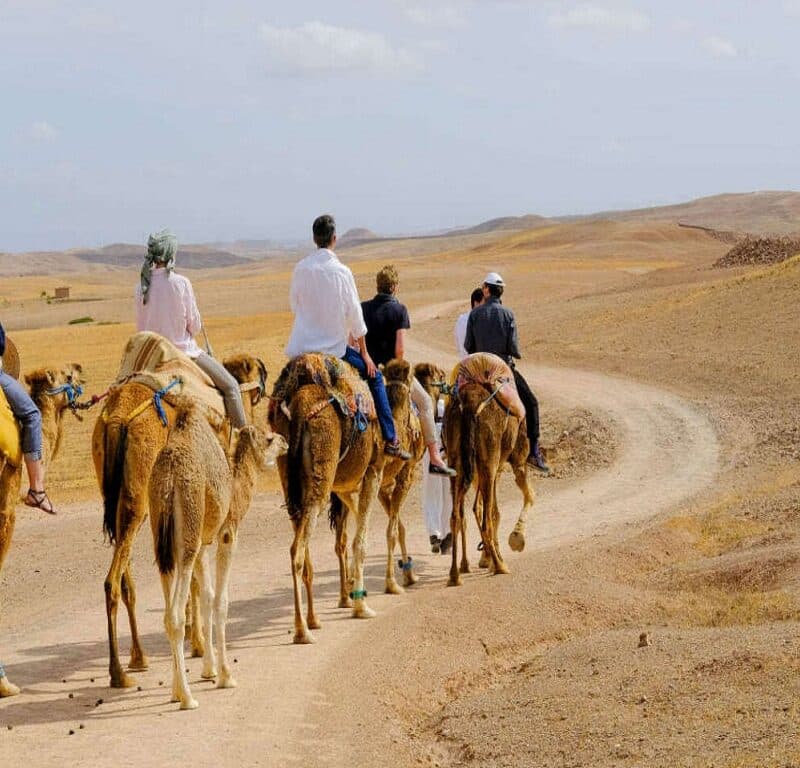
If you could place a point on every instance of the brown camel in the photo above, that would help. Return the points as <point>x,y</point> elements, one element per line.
<point>327,454</point>
<point>125,443</point>
<point>197,498</point>
<point>480,437</point>
<point>43,385</point>
<point>396,480</point>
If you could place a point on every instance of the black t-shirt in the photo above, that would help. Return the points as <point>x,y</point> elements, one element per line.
<point>384,316</point>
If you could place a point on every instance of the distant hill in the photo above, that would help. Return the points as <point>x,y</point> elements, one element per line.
<point>357,235</point>
<point>529,221</point>
<point>761,213</point>
<point>189,257</point>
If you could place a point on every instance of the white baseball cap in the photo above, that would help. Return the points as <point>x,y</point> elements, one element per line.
<point>493,279</point>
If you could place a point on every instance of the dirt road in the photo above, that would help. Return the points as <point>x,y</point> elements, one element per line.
<point>309,705</point>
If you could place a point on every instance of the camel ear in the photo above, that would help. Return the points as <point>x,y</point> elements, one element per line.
<point>51,376</point>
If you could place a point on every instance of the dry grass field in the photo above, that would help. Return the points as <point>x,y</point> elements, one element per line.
<point>543,667</point>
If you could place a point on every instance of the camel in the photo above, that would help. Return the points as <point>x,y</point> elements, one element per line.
<point>396,480</point>
<point>197,498</point>
<point>54,392</point>
<point>328,454</point>
<point>480,436</point>
<point>126,440</point>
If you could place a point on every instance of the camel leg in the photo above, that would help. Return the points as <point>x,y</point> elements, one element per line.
<point>516,539</point>
<point>225,551</point>
<point>138,662</point>
<point>369,488</point>
<point>491,513</point>
<point>341,554</point>
<point>175,625</point>
<point>203,574</point>
<point>456,525</point>
<point>7,688</point>
<point>409,577</point>
<point>195,630</point>
<point>479,511</point>
<point>392,587</point>
<point>308,581</point>
<point>298,551</point>
<point>113,589</point>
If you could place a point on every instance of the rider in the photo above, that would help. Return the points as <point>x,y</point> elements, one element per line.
<point>166,304</point>
<point>387,321</point>
<point>324,299</point>
<point>492,328</point>
<point>30,419</point>
<point>475,300</point>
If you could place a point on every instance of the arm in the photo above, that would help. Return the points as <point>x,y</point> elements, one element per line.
<point>192,313</point>
<point>400,344</point>
<point>513,338</point>
<point>139,307</point>
<point>469,337</point>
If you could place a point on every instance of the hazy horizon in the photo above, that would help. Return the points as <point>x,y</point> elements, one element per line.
<point>238,122</point>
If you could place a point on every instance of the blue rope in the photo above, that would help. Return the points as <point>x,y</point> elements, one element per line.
<point>158,396</point>
<point>360,417</point>
<point>358,594</point>
<point>405,565</point>
<point>2,672</point>
<point>74,391</point>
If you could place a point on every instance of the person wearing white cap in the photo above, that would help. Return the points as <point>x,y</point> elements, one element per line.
<point>491,327</point>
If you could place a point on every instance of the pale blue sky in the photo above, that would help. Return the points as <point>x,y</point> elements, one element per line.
<point>245,118</point>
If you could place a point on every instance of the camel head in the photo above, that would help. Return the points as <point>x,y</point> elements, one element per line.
<point>258,447</point>
<point>398,370</point>
<point>247,369</point>
<point>432,378</point>
<point>61,386</point>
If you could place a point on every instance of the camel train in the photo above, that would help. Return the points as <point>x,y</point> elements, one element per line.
<point>174,455</point>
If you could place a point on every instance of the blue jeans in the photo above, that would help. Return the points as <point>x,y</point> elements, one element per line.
<point>384,410</point>
<point>27,414</point>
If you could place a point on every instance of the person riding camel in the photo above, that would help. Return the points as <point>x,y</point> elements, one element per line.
<point>492,328</point>
<point>166,304</point>
<point>327,312</point>
<point>30,420</point>
<point>387,322</point>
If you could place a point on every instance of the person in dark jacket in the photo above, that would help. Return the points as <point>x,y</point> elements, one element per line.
<point>491,327</point>
<point>30,419</point>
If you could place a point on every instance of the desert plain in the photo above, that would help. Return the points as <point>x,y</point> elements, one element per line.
<point>669,393</point>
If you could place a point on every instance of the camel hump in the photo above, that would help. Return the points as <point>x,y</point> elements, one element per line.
<point>495,375</point>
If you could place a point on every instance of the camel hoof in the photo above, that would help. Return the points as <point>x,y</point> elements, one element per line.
<point>121,680</point>
<point>483,562</point>
<point>314,623</point>
<point>393,588</point>
<point>7,688</point>
<point>198,652</point>
<point>211,674</point>
<point>226,682</point>
<point>454,581</point>
<point>500,569</point>
<point>189,704</point>
<point>410,578</point>
<point>362,611</point>
<point>303,637</point>
<point>516,541</point>
<point>345,602</point>
<point>464,567</point>
<point>140,664</point>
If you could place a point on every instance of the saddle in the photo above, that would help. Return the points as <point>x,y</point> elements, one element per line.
<point>154,361</point>
<point>10,442</point>
<point>494,375</point>
<point>341,382</point>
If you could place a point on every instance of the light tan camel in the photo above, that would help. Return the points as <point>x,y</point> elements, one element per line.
<point>124,449</point>
<point>43,385</point>
<point>396,480</point>
<point>197,498</point>
<point>480,437</point>
<point>327,454</point>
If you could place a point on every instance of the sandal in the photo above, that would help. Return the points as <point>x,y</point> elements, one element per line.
<point>40,500</point>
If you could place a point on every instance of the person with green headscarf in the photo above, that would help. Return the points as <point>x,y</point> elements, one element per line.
<point>166,304</point>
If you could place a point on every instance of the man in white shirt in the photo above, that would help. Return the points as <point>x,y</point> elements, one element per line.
<point>327,310</point>
<point>476,299</point>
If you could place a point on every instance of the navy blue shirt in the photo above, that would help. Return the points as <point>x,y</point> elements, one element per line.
<point>492,328</point>
<point>384,316</point>
<point>2,340</point>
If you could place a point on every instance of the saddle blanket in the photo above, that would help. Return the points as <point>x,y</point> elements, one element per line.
<point>154,361</point>
<point>339,379</point>
<point>10,443</point>
<point>495,375</point>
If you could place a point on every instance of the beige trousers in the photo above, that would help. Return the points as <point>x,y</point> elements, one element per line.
<point>424,404</point>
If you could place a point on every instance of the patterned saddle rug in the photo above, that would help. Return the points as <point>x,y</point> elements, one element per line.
<point>10,443</point>
<point>154,361</point>
<point>492,373</point>
<point>339,379</point>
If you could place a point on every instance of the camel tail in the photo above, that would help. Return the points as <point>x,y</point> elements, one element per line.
<point>294,462</point>
<point>336,511</point>
<point>468,448</point>
<point>165,542</point>
<point>113,475</point>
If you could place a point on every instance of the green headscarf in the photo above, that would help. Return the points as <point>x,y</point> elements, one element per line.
<point>161,249</point>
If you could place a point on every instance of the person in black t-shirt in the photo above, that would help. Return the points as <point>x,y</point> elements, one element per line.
<point>387,321</point>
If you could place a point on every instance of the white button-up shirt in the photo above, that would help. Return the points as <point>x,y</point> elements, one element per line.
<point>461,334</point>
<point>171,310</point>
<point>326,307</point>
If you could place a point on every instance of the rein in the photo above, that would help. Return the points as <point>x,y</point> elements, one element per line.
<point>73,392</point>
